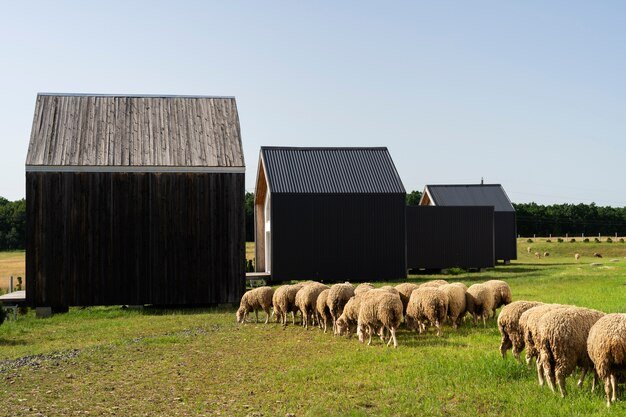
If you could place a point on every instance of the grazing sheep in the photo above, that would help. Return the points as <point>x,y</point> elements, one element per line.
<point>254,300</point>
<point>322,310</point>
<point>427,306</point>
<point>597,255</point>
<point>361,288</point>
<point>457,303</point>
<point>537,254</point>
<point>434,283</point>
<point>545,254</point>
<point>508,324</point>
<point>338,296</point>
<point>284,302</point>
<point>390,288</point>
<point>528,322</point>
<point>562,335</point>
<point>480,302</point>
<point>306,301</point>
<point>405,291</point>
<point>380,311</point>
<point>501,294</point>
<point>460,284</point>
<point>606,345</point>
<point>577,256</point>
<point>347,322</point>
<point>529,249</point>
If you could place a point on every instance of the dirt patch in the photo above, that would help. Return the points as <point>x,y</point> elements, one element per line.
<point>35,361</point>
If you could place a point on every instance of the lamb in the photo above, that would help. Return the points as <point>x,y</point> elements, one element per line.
<point>509,326</point>
<point>405,291</point>
<point>457,303</point>
<point>427,305</point>
<point>563,337</point>
<point>480,302</point>
<point>434,283</point>
<point>577,256</point>
<point>383,311</point>
<point>338,296</point>
<point>597,255</point>
<point>254,300</point>
<point>322,310</point>
<point>306,301</point>
<point>501,294</point>
<point>284,302</point>
<point>606,345</point>
<point>361,288</point>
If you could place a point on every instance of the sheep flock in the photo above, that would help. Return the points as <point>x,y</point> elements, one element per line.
<point>557,339</point>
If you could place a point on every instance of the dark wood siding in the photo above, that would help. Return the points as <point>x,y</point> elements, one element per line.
<point>134,238</point>
<point>506,235</point>
<point>443,237</point>
<point>338,237</point>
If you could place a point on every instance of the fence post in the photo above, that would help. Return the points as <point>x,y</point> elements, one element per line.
<point>11,284</point>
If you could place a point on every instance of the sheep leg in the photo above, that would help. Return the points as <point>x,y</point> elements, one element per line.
<point>393,336</point>
<point>267,316</point>
<point>505,344</point>
<point>438,327</point>
<point>583,372</point>
<point>369,331</point>
<point>594,381</point>
<point>613,388</point>
<point>485,319</point>
<point>607,390</point>
<point>256,314</point>
<point>560,379</point>
<point>540,374</point>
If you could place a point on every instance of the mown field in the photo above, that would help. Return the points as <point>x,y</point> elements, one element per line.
<point>111,361</point>
<point>11,264</point>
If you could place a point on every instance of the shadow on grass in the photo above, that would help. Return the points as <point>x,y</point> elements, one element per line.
<point>8,342</point>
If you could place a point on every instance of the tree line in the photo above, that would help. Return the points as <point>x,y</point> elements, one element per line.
<point>532,219</point>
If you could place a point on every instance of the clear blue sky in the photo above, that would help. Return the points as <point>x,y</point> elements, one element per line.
<point>530,94</point>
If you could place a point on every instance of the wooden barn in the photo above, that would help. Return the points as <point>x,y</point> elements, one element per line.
<point>505,229</point>
<point>329,214</point>
<point>134,200</point>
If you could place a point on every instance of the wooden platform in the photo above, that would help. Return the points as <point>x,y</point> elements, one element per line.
<point>15,297</point>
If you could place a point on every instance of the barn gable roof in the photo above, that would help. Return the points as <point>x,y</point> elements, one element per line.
<point>468,195</point>
<point>87,131</point>
<point>330,170</point>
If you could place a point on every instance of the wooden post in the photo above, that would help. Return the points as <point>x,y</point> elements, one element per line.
<point>11,284</point>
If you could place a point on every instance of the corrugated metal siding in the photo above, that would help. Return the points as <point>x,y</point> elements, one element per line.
<point>506,235</point>
<point>95,130</point>
<point>471,195</point>
<point>445,237</point>
<point>338,237</point>
<point>331,170</point>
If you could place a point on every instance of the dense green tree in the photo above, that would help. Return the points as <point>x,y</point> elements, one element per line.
<point>413,198</point>
<point>249,208</point>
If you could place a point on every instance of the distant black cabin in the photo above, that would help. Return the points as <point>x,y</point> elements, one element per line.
<point>329,214</point>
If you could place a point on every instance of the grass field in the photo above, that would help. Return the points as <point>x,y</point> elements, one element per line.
<point>11,264</point>
<point>110,361</point>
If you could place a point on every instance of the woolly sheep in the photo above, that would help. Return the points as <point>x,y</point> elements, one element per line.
<point>457,303</point>
<point>434,283</point>
<point>390,289</point>
<point>338,296</point>
<point>537,254</point>
<point>577,256</point>
<point>322,310</point>
<point>528,322</point>
<point>606,345</point>
<point>347,322</point>
<point>284,302</point>
<point>529,249</point>
<point>480,302</point>
<point>546,254</point>
<point>254,300</point>
<point>508,324</point>
<point>427,305</point>
<point>501,294</point>
<point>381,311</point>
<point>563,337</point>
<point>306,301</point>
<point>364,287</point>
<point>597,255</point>
<point>405,291</point>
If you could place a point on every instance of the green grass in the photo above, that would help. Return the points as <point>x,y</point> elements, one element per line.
<point>200,362</point>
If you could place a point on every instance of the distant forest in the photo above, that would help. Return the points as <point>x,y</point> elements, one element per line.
<point>532,219</point>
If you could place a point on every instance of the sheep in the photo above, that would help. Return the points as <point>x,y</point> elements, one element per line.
<point>577,256</point>
<point>254,300</point>
<point>364,287</point>
<point>338,296</point>
<point>501,294</point>
<point>508,324</point>
<point>382,310</point>
<point>597,255</point>
<point>306,300</point>
<point>405,291</point>
<point>529,249</point>
<point>562,335</point>
<point>480,302</point>
<point>606,345</point>
<point>322,309</point>
<point>528,322</point>
<point>546,254</point>
<point>390,289</point>
<point>427,305</point>
<point>537,254</point>
<point>457,303</point>
<point>347,322</point>
<point>434,283</point>
<point>284,302</point>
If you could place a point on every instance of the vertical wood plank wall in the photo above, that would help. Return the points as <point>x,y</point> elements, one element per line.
<point>134,238</point>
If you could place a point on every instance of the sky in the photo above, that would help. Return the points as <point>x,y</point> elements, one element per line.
<point>529,94</point>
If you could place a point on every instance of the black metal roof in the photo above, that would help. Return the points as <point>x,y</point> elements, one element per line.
<point>331,170</point>
<point>470,195</point>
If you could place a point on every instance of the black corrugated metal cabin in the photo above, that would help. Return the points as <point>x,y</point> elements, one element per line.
<point>445,237</point>
<point>329,214</point>
<point>505,229</point>
<point>134,200</point>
